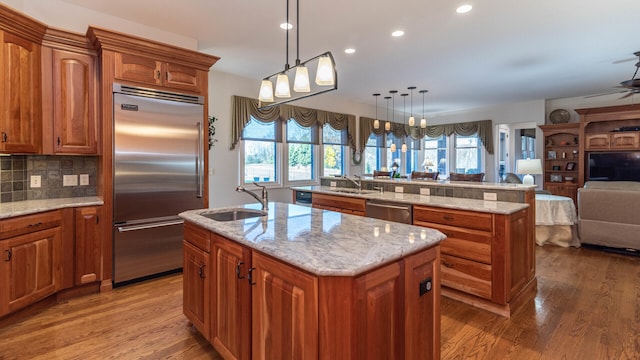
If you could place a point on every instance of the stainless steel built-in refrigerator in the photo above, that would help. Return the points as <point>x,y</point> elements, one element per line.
<point>158,154</point>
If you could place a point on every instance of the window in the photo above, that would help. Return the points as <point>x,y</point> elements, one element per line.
<point>260,151</point>
<point>301,151</point>
<point>468,150</point>
<point>333,150</point>
<point>435,155</point>
<point>373,153</point>
<point>527,145</point>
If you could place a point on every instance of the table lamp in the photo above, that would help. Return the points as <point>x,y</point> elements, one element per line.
<point>528,167</point>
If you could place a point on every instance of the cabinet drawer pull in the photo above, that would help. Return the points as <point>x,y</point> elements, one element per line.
<point>446,264</point>
<point>4,137</point>
<point>201,271</point>
<point>35,225</point>
<point>9,254</point>
<point>158,74</point>
<point>448,218</point>
<point>249,276</point>
<point>240,263</point>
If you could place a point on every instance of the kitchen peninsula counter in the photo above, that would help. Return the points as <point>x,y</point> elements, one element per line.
<point>305,283</point>
<point>488,206</point>
<point>26,207</point>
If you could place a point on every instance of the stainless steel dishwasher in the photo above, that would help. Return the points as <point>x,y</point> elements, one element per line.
<point>387,210</point>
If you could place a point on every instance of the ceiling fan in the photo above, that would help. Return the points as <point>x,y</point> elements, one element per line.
<point>632,85</point>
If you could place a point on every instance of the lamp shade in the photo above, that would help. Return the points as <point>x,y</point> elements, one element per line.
<point>266,91</point>
<point>393,147</point>
<point>376,124</point>
<point>324,75</point>
<point>423,123</point>
<point>412,121</point>
<point>387,126</point>
<point>301,81</point>
<point>404,148</point>
<point>282,86</point>
<point>528,167</point>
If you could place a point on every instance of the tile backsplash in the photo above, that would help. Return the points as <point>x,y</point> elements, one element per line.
<point>16,172</point>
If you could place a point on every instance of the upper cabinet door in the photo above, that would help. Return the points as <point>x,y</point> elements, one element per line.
<point>20,103</point>
<point>139,69</point>
<point>74,108</point>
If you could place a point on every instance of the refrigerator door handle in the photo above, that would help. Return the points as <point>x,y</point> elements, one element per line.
<point>200,163</point>
<point>149,226</point>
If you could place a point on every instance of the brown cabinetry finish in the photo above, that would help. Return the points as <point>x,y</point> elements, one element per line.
<point>31,267</point>
<point>562,161</point>
<point>343,204</point>
<point>284,311</point>
<point>197,272</point>
<point>145,70</point>
<point>21,102</point>
<point>88,245</point>
<point>231,302</point>
<point>487,260</point>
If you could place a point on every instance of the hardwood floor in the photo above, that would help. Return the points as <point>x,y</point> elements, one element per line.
<point>587,307</point>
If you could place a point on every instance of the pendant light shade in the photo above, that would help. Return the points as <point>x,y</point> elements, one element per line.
<point>412,120</point>
<point>282,86</point>
<point>404,148</point>
<point>393,147</point>
<point>423,121</point>
<point>387,126</point>
<point>266,91</point>
<point>324,75</point>
<point>376,124</point>
<point>301,81</point>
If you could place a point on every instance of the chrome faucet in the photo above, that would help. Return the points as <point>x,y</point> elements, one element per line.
<point>357,183</point>
<point>264,199</point>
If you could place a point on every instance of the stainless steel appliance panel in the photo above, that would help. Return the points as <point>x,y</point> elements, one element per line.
<point>157,157</point>
<point>391,211</point>
<point>143,249</point>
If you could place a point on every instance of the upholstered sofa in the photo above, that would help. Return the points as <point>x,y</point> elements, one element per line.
<point>608,214</point>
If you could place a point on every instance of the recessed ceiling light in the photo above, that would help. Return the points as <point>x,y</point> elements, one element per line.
<point>464,8</point>
<point>349,51</point>
<point>285,26</point>
<point>397,33</point>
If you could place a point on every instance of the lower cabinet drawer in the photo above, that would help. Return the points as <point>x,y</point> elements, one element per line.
<point>464,243</point>
<point>465,275</point>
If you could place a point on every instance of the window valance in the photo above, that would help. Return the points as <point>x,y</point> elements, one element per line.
<point>243,108</point>
<point>483,128</point>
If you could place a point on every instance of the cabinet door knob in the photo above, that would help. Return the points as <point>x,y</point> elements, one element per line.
<point>9,254</point>
<point>446,264</point>
<point>201,271</point>
<point>4,137</point>
<point>240,263</point>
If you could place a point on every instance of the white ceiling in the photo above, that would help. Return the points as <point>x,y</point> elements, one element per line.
<point>503,51</point>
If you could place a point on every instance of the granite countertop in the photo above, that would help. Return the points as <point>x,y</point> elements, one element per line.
<point>494,207</point>
<point>466,184</point>
<point>27,207</point>
<point>322,242</point>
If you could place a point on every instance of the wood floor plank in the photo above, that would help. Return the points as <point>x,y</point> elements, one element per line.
<point>587,307</point>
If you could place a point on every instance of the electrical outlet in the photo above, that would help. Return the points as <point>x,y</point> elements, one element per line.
<point>399,189</point>
<point>70,180</point>
<point>84,179</point>
<point>425,191</point>
<point>490,196</point>
<point>36,181</point>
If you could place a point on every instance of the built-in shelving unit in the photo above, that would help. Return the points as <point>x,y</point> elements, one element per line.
<point>562,160</point>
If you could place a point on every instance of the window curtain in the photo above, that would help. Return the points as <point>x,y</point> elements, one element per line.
<point>483,128</point>
<point>243,108</point>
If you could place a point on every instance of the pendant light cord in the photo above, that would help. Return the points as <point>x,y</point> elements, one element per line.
<point>286,60</point>
<point>297,32</point>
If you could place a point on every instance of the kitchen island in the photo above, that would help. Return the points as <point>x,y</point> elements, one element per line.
<point>307,283</point>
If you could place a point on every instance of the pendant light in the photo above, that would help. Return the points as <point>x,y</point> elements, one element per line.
<point>376,122</point>
<point>412,120</point>
<point>423,122</point>
<point>387,125</point>
<point>404,114</point>
<point>393,114</point>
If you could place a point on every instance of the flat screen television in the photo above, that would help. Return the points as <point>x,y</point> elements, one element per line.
<point>614,166</point>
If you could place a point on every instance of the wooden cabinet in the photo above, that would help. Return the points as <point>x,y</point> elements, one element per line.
<point>284,311</point>
<point>562,159</point>
<point>343,204</point>
<point>487,259</point>
<point>196,270</point>
<point>620,140</point>
<point>31,260</point>
<point>264,308</point>
<point>69,94</point>
<point>149,71</point>
<point>88,245</point>
<point>20,103</point>
<point>231,303</point>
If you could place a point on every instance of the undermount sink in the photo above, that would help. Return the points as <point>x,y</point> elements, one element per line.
<point>234,214</point>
